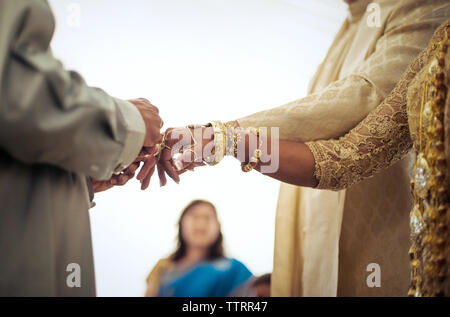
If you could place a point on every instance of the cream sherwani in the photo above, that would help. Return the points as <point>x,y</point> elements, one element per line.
<point>362,66</point>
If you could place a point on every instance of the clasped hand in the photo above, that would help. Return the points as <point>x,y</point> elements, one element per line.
<point>172,152</point>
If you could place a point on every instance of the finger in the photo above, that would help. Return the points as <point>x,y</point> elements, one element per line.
<point>148,164</point>
<point>134,101</point>
<point>183,171</point>
<point>122,179</point>
<point>146,152</point>
<point>146,181</point>
<point>191,167</point>
<point>162,175</point>
<point>141,156</point>
<point>114,180</point>
<point>132,168</point>
<point>148,104</point>
<point>102,186</point>
<point>152,108</point>
<point>165,155</point>
<point>170,170</point>
<point>197,164</point>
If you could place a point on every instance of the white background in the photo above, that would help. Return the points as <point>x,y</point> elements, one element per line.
<point>197,60</point>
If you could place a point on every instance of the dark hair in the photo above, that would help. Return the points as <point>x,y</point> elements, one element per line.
<point>215,250</point>
<point>263,279</point>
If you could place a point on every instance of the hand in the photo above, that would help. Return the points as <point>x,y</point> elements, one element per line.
<point>184,149</point>
<point>115,180</point>
<point>153,122</point>
<point>150,159</point>
<point>177,141</point>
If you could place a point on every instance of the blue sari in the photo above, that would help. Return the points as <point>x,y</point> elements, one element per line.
<point>216,278</point>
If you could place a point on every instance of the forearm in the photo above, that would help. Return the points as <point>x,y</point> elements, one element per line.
<point>290,162</point>
<point>296,164</point>
<point>48,114</point>
<point>328,113</point>
<point>83,130</point>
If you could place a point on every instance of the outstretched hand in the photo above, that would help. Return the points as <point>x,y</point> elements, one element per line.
<point>182,149</point>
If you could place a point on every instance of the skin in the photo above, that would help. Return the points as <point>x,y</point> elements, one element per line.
<point>296,162</point>
<point>115,180</point>
<point>153,124</point>
<point>199,229</point>
<point>152,120</point>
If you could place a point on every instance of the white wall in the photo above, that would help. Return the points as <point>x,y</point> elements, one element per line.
<point>197,60</point>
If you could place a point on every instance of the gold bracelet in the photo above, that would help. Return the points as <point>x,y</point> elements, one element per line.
<point>257,153</point>
<point>219,143</point>
<point>161,146</point>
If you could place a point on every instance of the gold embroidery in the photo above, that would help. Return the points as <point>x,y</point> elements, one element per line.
<point>428,263</point>
<point>385,136</point>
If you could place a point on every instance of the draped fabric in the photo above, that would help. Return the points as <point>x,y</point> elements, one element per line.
<point>217,278</point>
<point>413,114</point>
<point>55,133</point>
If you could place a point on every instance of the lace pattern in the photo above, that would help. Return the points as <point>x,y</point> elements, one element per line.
<point>377,142</point>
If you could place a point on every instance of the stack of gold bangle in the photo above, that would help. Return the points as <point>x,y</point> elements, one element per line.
<point>226,140</point>
<point>220,142</point>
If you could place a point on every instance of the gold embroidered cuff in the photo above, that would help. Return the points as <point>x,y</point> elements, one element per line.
<point>319,158</point>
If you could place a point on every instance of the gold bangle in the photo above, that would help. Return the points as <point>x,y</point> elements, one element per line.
<point>257,153</point>
<point>219,142</point>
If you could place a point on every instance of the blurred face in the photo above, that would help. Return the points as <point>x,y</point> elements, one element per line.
<point>200,227</point>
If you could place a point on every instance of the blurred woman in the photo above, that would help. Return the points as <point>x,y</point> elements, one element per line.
<point>198,266</point>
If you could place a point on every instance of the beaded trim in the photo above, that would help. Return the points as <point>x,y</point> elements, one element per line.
<point>428,216</point>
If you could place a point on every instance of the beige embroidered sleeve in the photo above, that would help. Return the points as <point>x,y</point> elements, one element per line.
<point>377,142</point>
